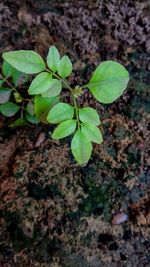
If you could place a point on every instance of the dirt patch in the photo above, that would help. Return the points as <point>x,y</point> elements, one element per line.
<point>53,212</point>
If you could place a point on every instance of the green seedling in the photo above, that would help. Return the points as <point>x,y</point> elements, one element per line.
<point>45,105</point>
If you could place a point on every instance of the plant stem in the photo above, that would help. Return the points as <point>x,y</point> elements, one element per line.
<point>76,111</point>
<point>22,109</point>
<point>6,81</point>
<point>13,88</point>
<point>62,80</point>
<point>73,99</point>
<point>85,86</point>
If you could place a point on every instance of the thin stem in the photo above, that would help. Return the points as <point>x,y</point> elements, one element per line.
<point>67,84</point>
<point>27,99</point>
<point>64,95</point>
<point>73,99</point>
<point>6,81</point>
<point>22,110</point>
<point>53,73</point>
<point>76,111</point>
<point>13,88</point>
<point>85,86</point>
<point>62,80</point>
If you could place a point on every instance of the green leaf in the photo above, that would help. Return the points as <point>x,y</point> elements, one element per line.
<point>108,82</point>
<point>53,58</point>
<point>5,94</point>
<point>18,97</point>
<point>92,133</point>
<point>25,61</point>
<point>29,114</point>
<point>81,147</point>
<point>42,106</point>
<point>65,67</point>
<point>40,83</point>
<point>9,109</point>
<point>31,118</point>
<point>17,76</point>
<point>64,129</point>
<point>55,87</point>
<point>7,69</point>
<point>60,112</point>
<point>30,108</point>
<point>18,122</point>
<point>1,82</point>
<point>89,115</point>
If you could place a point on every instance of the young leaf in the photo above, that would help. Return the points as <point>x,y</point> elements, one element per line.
<point>5,94</point>
<point>109,81</point>
<point>18,122</point>
<point>9,109</point>
<point>17,76</point>
<point>81,147</point>
<point>64,129</point>
<point>89,115</point>
<point>40,83</point>
<point>42,105</point>
<point>92,133</point>
<point>55,87</point>
<point>25,61</point>
<point>65,67</point>
<point>60,112</point>
<point>53,58</point>
<point>18,97</point>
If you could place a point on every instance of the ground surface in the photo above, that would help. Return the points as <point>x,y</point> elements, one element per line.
<point>53,212</point>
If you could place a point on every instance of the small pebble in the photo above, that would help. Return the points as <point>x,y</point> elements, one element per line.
<point>119,218</point>
<point>41,138</point>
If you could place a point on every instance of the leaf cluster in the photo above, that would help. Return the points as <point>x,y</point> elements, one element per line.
<point>107,83</point>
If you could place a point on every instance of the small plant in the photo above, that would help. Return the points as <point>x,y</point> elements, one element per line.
<point>107,83</point>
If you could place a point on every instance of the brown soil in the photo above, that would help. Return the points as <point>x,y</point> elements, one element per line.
<point>55,213</point>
